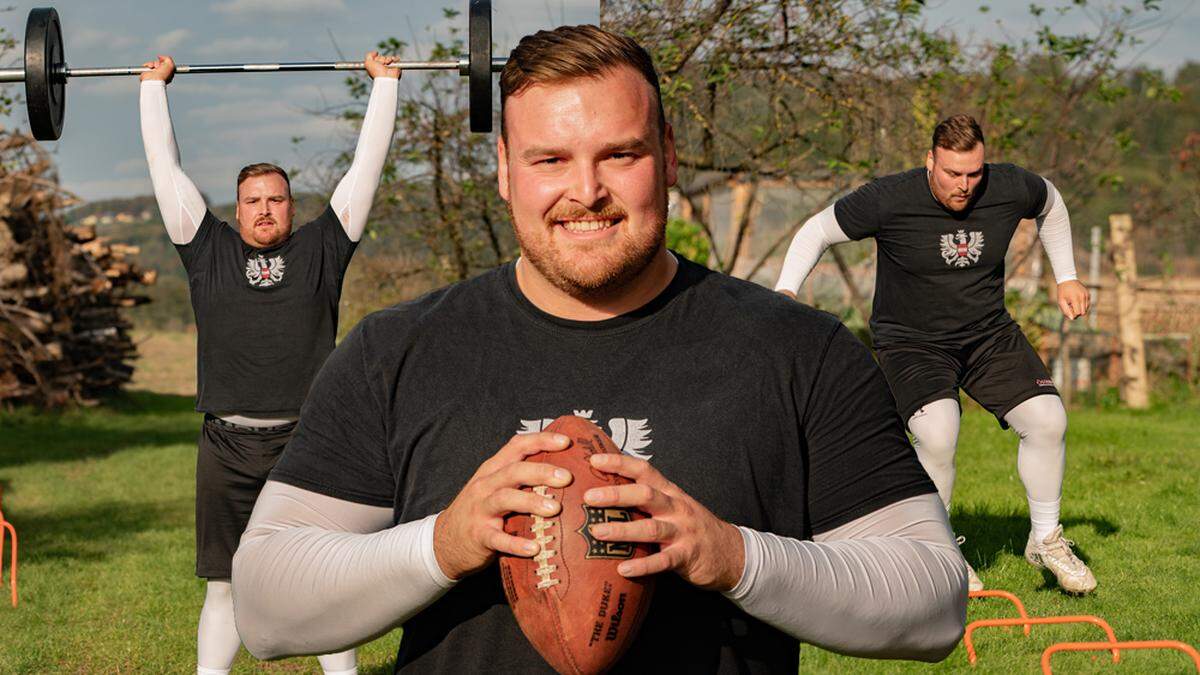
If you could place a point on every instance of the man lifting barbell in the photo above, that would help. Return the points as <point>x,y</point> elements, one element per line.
<point>266,306</point>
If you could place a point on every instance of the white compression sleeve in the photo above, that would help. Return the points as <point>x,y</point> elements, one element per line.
<point>891,584</point>
<point>817,234</point>
<point>352,198</point>
<point>179,200</point>
<point>307,574</point>
<point>1054,228</point>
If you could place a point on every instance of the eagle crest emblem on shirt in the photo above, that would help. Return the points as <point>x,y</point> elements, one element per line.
<point>263,272</point>
<point>631,436</point>
<point>962,249</point>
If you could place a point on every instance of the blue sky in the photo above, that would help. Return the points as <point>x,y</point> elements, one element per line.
<point>225,122</point>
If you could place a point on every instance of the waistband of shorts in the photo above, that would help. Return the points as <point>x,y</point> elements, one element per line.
<point>225,424</point>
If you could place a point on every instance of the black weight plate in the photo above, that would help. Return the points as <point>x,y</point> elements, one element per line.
<point>45,87</point>
<point>480,42</point>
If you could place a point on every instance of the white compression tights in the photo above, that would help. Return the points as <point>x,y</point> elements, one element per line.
<point>1041,424</point>
<point>218,642</point>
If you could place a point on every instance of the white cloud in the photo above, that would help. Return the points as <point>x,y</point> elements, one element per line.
<point>167,42</point>
<point>279,7</point>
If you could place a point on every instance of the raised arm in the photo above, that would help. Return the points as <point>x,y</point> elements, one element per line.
<point>1054,228</point>
<point>308,573</point>
<point>179,200</point>
<point>891,584</point>
<point>353,196</point>
<point>817,234</point>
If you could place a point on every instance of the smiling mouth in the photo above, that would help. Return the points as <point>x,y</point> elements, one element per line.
<point>582,225</point>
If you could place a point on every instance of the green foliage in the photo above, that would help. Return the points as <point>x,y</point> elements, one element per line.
<point>688,239</point>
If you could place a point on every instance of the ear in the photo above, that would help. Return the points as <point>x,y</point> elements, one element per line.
<point>670,159</point>
<point>929,161</point>
<point>502,167</point>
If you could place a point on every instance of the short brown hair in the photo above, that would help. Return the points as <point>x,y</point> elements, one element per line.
<point>570,52</point>
<point>959,133</point>
<point>262,169</point>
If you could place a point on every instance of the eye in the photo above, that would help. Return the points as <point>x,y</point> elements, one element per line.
<point>550,161</point>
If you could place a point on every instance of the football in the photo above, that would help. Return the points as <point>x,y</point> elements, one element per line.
<point>569,600</point>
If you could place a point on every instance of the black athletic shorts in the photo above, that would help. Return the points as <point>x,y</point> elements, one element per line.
<point>998,368</point>
<point>231,468</point>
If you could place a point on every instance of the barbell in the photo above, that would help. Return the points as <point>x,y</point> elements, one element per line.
<point>46,72</point>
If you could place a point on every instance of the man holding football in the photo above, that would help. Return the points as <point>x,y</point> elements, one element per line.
<point>759,436</point>
<point>939,320</point>
<point>266,305</point>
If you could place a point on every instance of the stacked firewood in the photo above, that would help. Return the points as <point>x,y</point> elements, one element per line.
<point>63,336</point>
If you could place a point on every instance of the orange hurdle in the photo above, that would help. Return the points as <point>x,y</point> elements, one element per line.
<point>5,525</point>
<point>1086,618</point>
<point>1007,596</point>
<point>1105,646</point>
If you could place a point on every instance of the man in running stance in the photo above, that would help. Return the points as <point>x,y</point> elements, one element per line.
<point>939,320</point>
<point>266,302</point>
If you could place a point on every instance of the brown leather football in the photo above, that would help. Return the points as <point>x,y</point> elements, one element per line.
<point>569,600</point>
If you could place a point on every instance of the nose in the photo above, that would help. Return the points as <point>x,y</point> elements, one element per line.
<point>587,187</point>
<point>966,182</point>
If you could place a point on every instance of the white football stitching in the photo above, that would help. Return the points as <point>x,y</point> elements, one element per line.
<point>544,570</point>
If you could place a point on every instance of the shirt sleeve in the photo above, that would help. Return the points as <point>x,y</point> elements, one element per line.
<point>1036,193</point>
<point>859,458</point>
<point>338,248</point>
<point>340,448</point>
<point>198,248</point>
<point>859,213</point>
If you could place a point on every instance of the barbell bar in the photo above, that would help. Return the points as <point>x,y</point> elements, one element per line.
<point>45,72</point>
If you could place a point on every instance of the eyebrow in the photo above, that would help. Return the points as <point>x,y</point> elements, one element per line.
<point>627,145</point>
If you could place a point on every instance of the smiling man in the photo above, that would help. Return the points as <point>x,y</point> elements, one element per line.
<point>785,499</point>
<point>939,320</point>
<point>266,303</point>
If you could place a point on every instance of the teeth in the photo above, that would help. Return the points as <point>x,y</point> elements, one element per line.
<point>586,225</point>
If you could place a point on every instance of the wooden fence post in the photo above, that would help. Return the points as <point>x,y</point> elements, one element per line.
<point>1135,390</point>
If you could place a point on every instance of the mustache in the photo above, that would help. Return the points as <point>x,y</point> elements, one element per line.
<point>608,212</point>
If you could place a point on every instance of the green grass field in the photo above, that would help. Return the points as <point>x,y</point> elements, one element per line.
<point>102,501</point>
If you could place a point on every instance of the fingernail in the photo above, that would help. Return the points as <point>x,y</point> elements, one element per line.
<point>591,495</point>
<point>530,547</point>
<point>561,440</point>
<point>601,530</point>
<point>562,474</point>
<point>624,569</point>
<point>550,505</point>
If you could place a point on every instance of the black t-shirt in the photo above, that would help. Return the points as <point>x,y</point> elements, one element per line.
<point>940,274</point>
<point>769,413</point>
<point>266,318</point>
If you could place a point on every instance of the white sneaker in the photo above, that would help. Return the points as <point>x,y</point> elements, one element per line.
<point>1054,553</point>
<point>973,581</point>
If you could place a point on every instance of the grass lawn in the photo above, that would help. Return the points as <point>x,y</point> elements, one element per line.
<point>102,501</point>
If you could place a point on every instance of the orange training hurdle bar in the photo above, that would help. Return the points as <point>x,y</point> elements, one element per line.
<point>1007,596</point>
<point>1105,646</point>
<point>1086,618</point>
<point>4,524</point>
